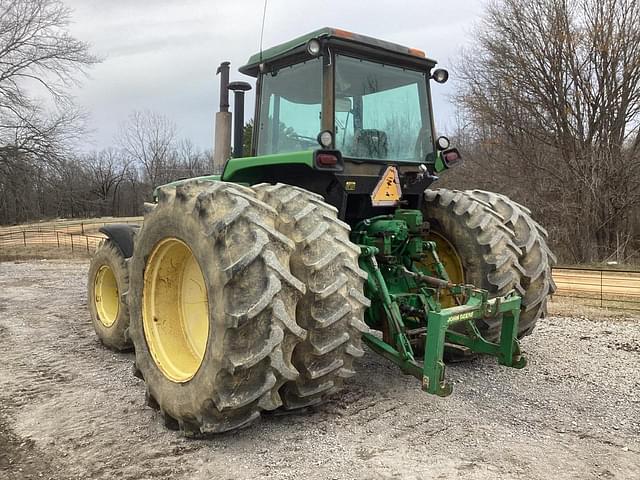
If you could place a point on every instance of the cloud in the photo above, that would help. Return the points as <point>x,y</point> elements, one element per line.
<point>162,54</point>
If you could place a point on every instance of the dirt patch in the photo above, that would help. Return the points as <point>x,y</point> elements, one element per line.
<point>46,252</point>
<point>71,409</point>
<point>20,458</point>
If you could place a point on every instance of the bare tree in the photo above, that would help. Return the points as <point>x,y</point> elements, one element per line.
<point>553,89</point>
<point>107,170</point>
<point>36,50</point>
<point>39,60</point>
<point>148,139</point>
<point>192,162</point>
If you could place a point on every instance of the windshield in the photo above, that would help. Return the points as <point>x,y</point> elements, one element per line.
<point>381,111</point>
<point>290,109</point>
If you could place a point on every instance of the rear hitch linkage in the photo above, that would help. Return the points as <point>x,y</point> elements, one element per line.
<point>406,304</point>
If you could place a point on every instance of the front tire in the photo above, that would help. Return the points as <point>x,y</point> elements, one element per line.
<point>213,307</point>
<point>107,288</point>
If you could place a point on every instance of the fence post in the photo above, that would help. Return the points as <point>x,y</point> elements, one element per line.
<point>58,238</point>
<point>71,241</point>
<point>87,239</point>
<point>600,288</point>
<point>24,237</point>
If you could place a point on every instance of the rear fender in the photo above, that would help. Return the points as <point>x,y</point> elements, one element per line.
<point>121,235</point>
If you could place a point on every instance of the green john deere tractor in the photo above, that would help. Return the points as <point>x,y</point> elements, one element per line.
<point>254,289</point>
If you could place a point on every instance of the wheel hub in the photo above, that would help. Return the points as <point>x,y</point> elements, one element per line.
<point>451,261</point>
<point>106,296</point>
<point>175,310</point>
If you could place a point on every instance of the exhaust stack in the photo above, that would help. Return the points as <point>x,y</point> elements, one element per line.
<point>222,137</point>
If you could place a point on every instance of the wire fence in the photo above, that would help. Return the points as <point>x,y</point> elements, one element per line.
<point>618,289</point>
<point>75,242</point>
<point>76,236</point>
<point>84,226</point>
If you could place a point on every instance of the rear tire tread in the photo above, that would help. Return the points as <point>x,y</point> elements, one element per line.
<point>257,329</point>
<point>513,246</point>
<point>536,259</point>
<point>332,309</point>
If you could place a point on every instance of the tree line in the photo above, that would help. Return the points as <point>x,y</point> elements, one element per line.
<point>550,97</point>
<point>42,173</point>
<point>114,181</point>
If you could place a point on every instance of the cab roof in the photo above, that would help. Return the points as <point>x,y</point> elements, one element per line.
<point>284,49</point>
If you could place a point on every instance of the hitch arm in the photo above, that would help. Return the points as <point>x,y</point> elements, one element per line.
<point>391,308</point>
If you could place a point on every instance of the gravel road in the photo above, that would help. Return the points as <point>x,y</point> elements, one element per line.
<point>71,409</point>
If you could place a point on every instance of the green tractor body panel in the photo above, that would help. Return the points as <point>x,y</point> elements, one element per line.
<point>251,169</point>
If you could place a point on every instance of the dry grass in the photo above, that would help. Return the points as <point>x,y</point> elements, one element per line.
<point>571,307</point>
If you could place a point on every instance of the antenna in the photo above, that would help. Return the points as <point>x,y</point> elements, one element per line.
<point>264,15</point>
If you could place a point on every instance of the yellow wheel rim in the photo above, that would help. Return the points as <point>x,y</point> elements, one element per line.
<point>451,261</point>
<point>106,297</point>
<point>175,313</point>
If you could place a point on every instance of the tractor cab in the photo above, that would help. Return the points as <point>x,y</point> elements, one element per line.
<point>354,109</point>
<point>376,104</point>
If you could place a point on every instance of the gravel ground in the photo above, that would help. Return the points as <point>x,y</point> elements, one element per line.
<point>70,408</point>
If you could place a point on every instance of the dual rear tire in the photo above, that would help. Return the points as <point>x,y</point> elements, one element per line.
<point>498,247</point>
<point>332,308</point>
<point>217,284</point>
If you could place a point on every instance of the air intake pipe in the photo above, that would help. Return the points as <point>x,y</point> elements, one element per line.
<point>238,89</point>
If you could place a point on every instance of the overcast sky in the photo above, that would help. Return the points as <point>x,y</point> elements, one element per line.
<point>162,55</point>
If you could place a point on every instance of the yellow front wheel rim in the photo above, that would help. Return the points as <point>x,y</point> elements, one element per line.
<point>175,312</point>
<point>106,296</point>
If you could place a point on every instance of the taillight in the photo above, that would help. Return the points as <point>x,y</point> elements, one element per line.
<point>326,160</point>
<point>330,160</point>
<point>451,157</point>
